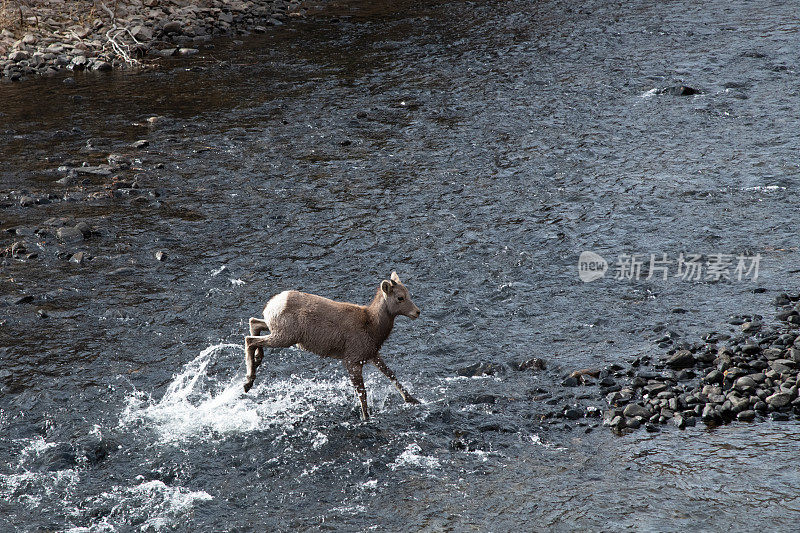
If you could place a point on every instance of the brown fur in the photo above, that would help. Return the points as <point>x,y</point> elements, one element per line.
<point>350,332</point>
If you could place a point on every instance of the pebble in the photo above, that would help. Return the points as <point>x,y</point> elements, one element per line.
<point>68,234</point>
<point>142,143</point>
<point>160,256</point>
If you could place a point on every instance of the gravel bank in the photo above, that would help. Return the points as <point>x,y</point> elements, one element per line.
<point>50,35</point>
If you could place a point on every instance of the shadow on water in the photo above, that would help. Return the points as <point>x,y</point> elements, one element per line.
<point>477,148</point>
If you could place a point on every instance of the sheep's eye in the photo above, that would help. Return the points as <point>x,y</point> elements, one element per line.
<point>400,298</point>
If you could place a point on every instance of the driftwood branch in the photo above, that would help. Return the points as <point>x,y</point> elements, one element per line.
<point>118,46</point>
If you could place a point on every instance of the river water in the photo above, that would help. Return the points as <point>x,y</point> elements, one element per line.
<point>477,148</point>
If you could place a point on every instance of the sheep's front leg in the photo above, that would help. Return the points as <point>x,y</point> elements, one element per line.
<point>386,371</point>
<point>355,369</point>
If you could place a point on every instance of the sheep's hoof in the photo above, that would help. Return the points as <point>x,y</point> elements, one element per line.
<point>248,385</point>
<point>411,399</point>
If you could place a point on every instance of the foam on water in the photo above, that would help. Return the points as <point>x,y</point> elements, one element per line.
<point>28,483</point>
<point>765,188</point>
<point>152,504</point>
<point>412,456</point>
<point>201,403</point>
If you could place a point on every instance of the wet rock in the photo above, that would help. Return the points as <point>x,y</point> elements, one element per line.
<point>779,399</point>
<point>187,51</point>
<point>69,234</point>
<point>78,63</point>
<point>737,320</point>
<point>618,398</point>
<point>123,271</point>
<point>26,299</point>
<point>99,170</point>
<point>679,421</point>
<point>608,382</point>
<point>483,399</point>
<point>782,299</point>
<point>78,258</point>
<point>750,327</point>
<point>481,369</point>
<point>680,90</point>
<point>780,368</point>
<point>160,256</point>
<point>773,353</point>
<point>738,404</point>
<point>750,349</point>
<point>171,27</point>
<point>142,143</point>
<point>681,359</point>
<point>634,409</point>
<point>710,415</point>
<point>745,384</point>
<point>573,414</point>
<point>746,416</point>
<point>142,33</point>
<point>102,66</point>
<point>715,376</point>
<point>655,388</point>
<point>84,228</point>
<point>570,382</point>
<point>18,55</point>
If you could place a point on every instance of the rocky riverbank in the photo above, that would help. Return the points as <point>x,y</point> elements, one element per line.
<point>750,376</point>
<point>747,377</point>
<point>46,36</point>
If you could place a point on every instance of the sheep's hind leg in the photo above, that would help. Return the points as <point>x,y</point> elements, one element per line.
<point>253,343</point>
<point>354,369</point>
<point>256,327</point>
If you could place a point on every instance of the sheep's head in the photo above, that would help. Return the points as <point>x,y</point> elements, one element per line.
<point>398,299</point>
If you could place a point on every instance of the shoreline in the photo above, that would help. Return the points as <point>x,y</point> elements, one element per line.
<point>98,36</point>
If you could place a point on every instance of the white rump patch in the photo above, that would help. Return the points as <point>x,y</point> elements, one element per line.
<point>275,307</point>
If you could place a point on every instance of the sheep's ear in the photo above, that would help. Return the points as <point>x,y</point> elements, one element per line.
<point>395,277</point>
<point>386,287</point>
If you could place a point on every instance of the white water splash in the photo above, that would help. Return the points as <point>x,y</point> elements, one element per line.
<point>199,403</point>
<point>153,505</point>
<point>765,188</point>
<point>411,456</point>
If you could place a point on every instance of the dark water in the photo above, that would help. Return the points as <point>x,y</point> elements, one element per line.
<point>477,148</point>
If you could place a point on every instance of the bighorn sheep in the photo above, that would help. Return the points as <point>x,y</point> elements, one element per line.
<point>350,332</point>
